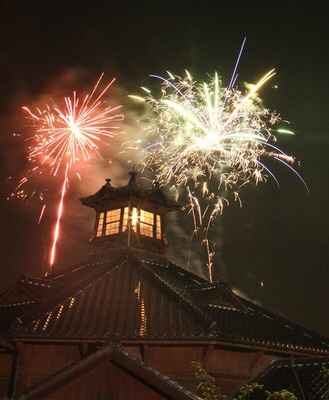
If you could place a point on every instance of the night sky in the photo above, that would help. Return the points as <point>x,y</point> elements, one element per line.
<point>273,249</point>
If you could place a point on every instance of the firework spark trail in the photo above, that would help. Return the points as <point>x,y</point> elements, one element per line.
<point>234,75</point>
<point>66,138</point>
<point>59,216</point>
<point>210,139</point>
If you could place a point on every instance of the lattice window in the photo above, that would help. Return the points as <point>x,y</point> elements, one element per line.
<point>115,221</point>
<point>112,222</point>
<point>100,225</point>
<point>134,220</point>
<point>146,223</point>
<point>158,227</point>
<point>125,219</point>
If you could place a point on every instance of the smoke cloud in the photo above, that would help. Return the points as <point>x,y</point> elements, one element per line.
<point>117,159</point>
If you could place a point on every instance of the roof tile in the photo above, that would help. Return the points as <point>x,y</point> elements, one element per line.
<point>131,296</point>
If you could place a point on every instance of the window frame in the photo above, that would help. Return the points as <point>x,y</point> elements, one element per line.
<point>146,224</point>
<point>103,224</point>
<point>124,216</point>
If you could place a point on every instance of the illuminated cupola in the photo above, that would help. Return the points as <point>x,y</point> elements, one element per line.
<point>129,216</point>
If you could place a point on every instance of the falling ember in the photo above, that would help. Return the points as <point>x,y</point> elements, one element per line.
<point>41,213</point>
<point>66,137</point>
<point>211,140</point>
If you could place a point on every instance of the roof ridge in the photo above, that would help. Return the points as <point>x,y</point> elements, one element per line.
<point>57,274</point>
<point>207,322</point>
<point>51,383</point>
<point>301,360</point>
<point>285,321</point>
<point>305,376</point>
<point>223,289</point>
<point>55,300</point>
<point>28,291</point>
<point>187,394</point>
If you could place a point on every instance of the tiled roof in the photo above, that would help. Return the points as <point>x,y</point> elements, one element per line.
<point>235,318</point>
<point>130,191</point>
<point>306,378</point>
<point>29,290</point>
<point>134,295</point>
<point>255,324</point>
<point>8,313</point>
<point>24,296</point>
<point>119,298</point>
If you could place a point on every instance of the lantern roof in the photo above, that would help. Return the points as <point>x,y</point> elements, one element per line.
<point>111,197</point>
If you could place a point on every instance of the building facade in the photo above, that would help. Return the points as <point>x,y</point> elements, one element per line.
<point>126,323</point>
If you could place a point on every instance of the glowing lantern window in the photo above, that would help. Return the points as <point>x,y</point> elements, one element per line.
<point>112,224</point>
<point>121,220</point>
<point>134,219</point>
<point>108,223</point>
<point>125,219</point>
<point>100,225</point>
<point>158,227</point>
<point>146,223</point>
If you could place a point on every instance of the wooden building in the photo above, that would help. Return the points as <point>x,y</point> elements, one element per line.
<point>125,323</point>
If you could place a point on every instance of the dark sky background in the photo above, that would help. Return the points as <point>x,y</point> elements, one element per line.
<point>279,237</point>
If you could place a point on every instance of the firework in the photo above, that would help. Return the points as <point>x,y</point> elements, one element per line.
<point>66,137</point>
<point>74,133</point>
<point>211,140</point>
<point>211,133</point>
